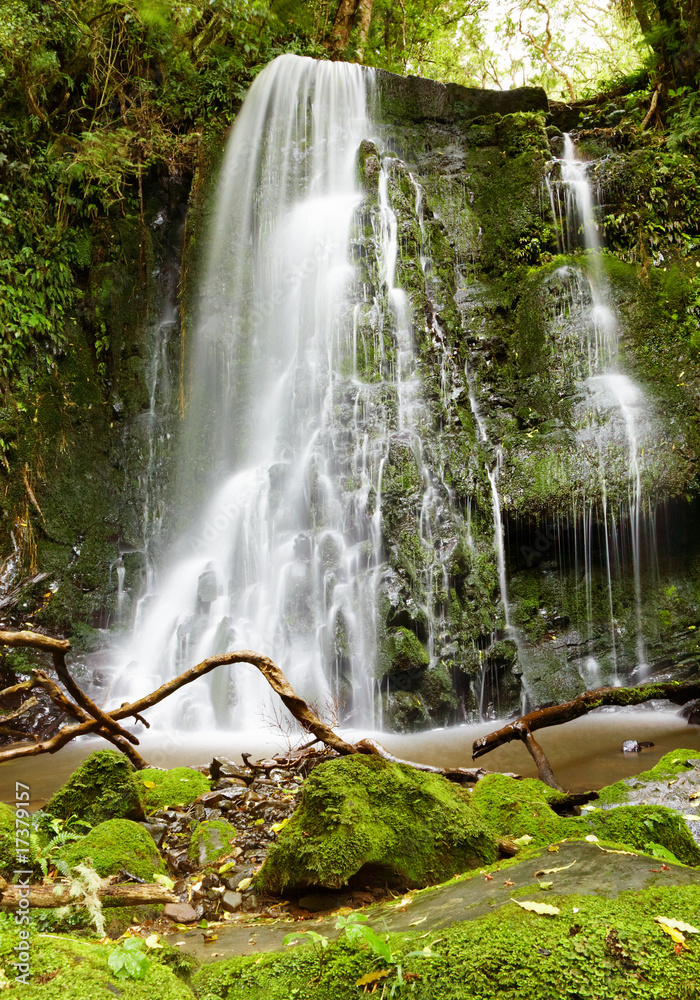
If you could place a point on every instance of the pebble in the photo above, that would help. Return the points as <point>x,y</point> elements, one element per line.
<point>231,901</point>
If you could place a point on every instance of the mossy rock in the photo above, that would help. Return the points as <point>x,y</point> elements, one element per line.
<point>598,948</point>
<point>102,788</point>
<point>670,766</point>
<point>362,818</point>
<point>8,857</point>
<point>116,844</point>
<point>63,968</point>
<point>210,840</point>
<point>652,829</point>
<point>177,787</point>
<point>515,808</point>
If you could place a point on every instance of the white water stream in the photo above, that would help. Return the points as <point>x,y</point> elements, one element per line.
<point>619,404</point>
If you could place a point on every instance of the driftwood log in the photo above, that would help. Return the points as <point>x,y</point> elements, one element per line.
<point>555,715</point>
<point>51,896</point>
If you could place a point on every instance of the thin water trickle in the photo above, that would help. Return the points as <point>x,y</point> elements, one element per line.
<point>617,402</point>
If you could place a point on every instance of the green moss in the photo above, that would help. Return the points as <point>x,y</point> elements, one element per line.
<point>67,969</point>
<point>597,949</point>
<point>362,812</point>
<point>116,844</point>
<point>8,859</point>
<point>211,840</point>
<point>514,808</point>
<point>177,787</point>
<point>102,788</point>
<point>653,829</point>
<point>405,650</point>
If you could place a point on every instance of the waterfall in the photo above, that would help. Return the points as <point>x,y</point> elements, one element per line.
<point>278,478</point>
<point>619,404</point>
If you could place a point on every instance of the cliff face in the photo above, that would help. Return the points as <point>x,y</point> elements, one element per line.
<point>596,493</point>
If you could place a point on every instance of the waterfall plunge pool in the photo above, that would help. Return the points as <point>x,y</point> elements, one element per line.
<point>584,754</point>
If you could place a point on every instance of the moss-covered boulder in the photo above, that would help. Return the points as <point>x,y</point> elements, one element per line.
<point>652,829</point>
<point>116,844</point>
<point>519,808</point>
<point>361,818</point>
<point>515,809</point>
<point>210,841</point>
<point>102,788</point>
<point>177,787</point>
<point>659,781</point>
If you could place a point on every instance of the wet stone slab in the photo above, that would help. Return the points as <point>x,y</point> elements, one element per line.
<point>592,871</point>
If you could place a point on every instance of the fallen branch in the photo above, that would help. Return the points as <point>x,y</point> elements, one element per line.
<point>462,775</point>
<point>522,728</point>
<point>652,107</point>
<point>106,726</point>
<point>306,717</point>
<point>51,896</point>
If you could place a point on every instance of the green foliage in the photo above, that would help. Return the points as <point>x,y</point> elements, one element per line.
<point>128,960</point>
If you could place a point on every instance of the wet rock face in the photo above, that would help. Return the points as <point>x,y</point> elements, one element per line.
<point>413,99</point>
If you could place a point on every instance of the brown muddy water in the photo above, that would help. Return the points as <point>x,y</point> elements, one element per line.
<point>584,754</point>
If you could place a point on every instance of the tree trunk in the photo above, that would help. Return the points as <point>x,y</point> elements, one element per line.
<point>339,38</point>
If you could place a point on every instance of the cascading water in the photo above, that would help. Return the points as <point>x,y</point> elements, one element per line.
<point>280,559</point>
<point>618,404</point>
<point>286,431</point>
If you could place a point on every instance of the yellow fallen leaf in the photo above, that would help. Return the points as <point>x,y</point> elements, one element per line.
<point>529,904</point>
<point>211,939</point>
<point>695,794</point>
<point>553,871</point>
<point>674,934</point>
<point>373,977</point>
<point>592,839</point>
<point>153,941</point>
<point>276,827</point>
<point>553,848</point>
<point>149,784</point>
<point>522,841</point>
<point>404,902</point>
<point>693,817</point>
<point>610,850</point>
<point>678,924</point>
<point>243,884</point>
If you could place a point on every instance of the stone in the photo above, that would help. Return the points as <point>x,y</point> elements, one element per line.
<point>113,845</point>
<point>104,787</point>
<point>177,787</point>
<point>366,819</point>
<point>413,99</point>
<point>222,767</point>
<point>231,901</point>
<point>182,913</point>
